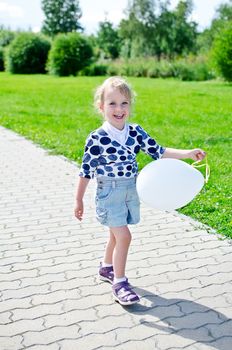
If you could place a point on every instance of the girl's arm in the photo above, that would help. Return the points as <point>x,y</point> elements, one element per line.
<point>81,188</point>
<point>195,154</point>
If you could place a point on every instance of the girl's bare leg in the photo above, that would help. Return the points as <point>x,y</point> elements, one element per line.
<point>108,257</point>
<point>122,237</point>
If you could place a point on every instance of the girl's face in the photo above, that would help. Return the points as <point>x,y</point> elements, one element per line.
<point>115,108</point>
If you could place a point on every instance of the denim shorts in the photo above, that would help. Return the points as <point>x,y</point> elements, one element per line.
<point>117,201</point>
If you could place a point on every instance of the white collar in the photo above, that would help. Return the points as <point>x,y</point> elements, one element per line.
<point>119,135</point>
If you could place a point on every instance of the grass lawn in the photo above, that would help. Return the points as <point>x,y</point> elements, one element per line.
<point>58,114</point>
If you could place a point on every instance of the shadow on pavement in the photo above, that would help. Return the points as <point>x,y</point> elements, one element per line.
<point>185,318</point>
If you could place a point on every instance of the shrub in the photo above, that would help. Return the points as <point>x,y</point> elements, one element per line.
<point>222,52</point>
<point>6,36</point>
<point>114,67</point>
<point>95,69</point>
<point>166,69</point>
<point>1,59</point>
<point>131,67</point>
<point>190,68</point>
<point>154,70</point>
<point>69,54</point>
<point>192,71</point>
<point>27,54</point>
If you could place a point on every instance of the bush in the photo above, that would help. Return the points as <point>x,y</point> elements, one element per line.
<point>1,59</point>
<point>27,54</point>
<point>6,36</point>
<point>185,69</point>
<point>222,52</point>
<point>95,69</point>
<point>70,53</point>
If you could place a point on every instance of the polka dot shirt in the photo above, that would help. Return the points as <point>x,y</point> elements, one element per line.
<point>104,156</point>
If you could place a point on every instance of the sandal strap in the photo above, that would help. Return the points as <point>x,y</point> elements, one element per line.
<point>124,291</point>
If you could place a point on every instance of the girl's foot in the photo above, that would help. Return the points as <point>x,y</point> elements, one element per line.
<point>106,273</point>
<point>123,294</point>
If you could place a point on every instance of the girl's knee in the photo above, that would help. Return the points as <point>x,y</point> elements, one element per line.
<point>122,234</point>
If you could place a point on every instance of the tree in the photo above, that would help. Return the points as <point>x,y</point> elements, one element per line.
<point>222,17</point>
<point>137,31</point>
<point>151,30</point>
<point>222,52</point>
<point>224,12</point>
<point>108,40</point>
<point>186,31</point>
<point>62,16</point>
<point>6,36</point>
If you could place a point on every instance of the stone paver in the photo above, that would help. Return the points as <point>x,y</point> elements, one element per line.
<point>50,297</point>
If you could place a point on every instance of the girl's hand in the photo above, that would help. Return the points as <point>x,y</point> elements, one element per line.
<point>197,154</point>
<point>79,210</point>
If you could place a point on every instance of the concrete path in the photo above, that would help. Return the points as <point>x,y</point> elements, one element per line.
<point>51,298</point>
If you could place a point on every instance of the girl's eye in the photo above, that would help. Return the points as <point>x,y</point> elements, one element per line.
<point>112,103</point>
<point>125,103</point>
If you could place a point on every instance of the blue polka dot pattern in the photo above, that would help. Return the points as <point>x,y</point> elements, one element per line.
<point>104,156</point>
<point>105,140</point>
<point>90,143</point>
<point>111,150</point>
<point>94,150</point>
<point>108,168</point>
<point>86,166</point>
<point>130,141</point>
<point>115,144</point>
<point>113,157</point>
<point>93,163</point>
<point>86,158</point>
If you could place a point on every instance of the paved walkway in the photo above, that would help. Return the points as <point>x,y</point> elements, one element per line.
<point>50,296</point>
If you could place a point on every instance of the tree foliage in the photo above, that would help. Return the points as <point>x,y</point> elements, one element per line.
<point>61,16</point>
<point>152,29</point>
<point>222,52</point>
<point>108,40</point>
<point>6,36</point>
<point>222,17</point>
<point>137,31</point>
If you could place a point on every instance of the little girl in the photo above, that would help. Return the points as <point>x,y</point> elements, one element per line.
<point>110,156</point>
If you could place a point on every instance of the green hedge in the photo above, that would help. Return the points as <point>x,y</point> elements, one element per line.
<point>27,54</point>
<point>191,68</point>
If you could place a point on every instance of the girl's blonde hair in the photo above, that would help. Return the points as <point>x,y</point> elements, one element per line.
<point>115,82</point>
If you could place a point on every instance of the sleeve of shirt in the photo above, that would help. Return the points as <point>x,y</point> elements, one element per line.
<point>90,157</point>
<point>149,145</point>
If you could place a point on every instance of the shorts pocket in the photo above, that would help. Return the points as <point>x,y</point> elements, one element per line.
<point>101,215</point>
<point>103,192</point>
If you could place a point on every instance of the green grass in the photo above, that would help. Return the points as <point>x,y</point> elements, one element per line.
<point>58,113</point>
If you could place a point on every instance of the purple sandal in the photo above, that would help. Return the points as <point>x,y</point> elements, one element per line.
<point>106,273</point>
<point>124,294</point>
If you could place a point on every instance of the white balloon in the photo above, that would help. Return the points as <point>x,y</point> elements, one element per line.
<point>168,184</point>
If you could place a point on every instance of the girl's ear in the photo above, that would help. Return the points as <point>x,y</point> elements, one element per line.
<point>101,107</point>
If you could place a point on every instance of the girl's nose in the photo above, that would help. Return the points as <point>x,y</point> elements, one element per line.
<point>118,107</point>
